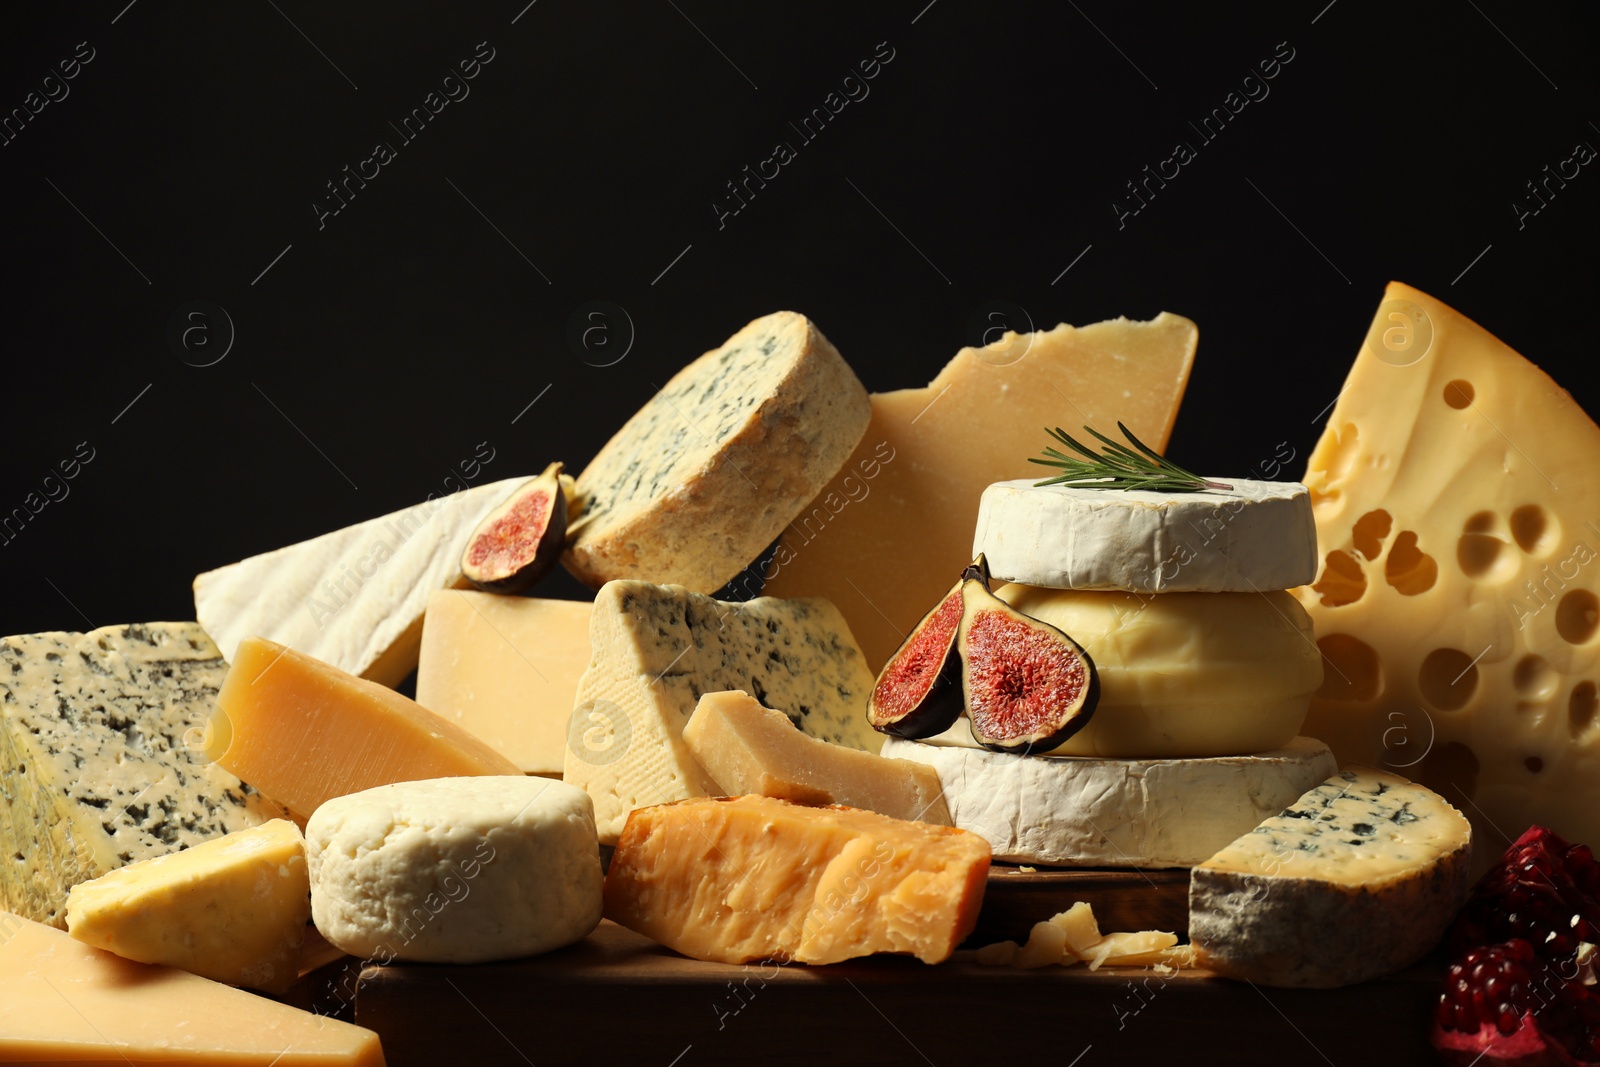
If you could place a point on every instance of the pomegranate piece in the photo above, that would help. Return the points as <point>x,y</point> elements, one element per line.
<point>1523,987</point>
<point>918,692</point>
<point>1027,685</point>
<point>1543,890</point>
<point>1504,1004</point>
<point>519,542</point>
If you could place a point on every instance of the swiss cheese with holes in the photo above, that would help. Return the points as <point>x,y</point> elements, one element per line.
<point>1457,498</point>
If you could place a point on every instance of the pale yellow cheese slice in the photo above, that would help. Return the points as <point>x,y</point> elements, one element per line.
<point>232,909</point>
<point>893,529</point>
<point>63,1001</point>
<point>505,669</point>
<point>1456,490</point>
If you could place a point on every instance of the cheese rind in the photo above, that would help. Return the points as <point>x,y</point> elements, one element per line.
<point>753,878</point>
<point>505,669</point>
<point>747,748</point>
<point>232,909</point>
<point>308,732</point>
<point>1356,879</point>
<point>706,474</point>
<point>886,537</point>
<point>1074,811</point>
<point>455,870</point>
<point>99,757</point>
<point>63,1001</point>
<point>354,597</point>
<point>1458,510</point>
<point>1254,537</point>
<point>1180,674</point>
<point>658,649</point>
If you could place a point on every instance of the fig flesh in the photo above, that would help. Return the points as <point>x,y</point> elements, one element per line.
<point>918,692</point>
<point>1027,686</point>
<point>520,541</point>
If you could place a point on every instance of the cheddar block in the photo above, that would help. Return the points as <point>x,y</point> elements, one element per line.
<point>751,749</point>
<point>352,597</point>
<point>1457,498</point>
<point>753,878</point>
<point>886,537</point>
<point>305,732</point>
<point>232,909</point>
<point>505,669</point>
<point>63,1001</point>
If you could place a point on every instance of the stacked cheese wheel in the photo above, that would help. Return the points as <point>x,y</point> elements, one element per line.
<point>1205,668</point>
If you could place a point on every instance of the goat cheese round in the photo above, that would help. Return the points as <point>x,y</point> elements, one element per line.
<point>1254,537</point>
<point>455,870</point>
<point>1074,811</point>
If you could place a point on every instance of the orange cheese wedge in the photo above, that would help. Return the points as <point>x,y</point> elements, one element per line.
<point>303,732</point>
<point>63,1001</point>
<point>754,878</point>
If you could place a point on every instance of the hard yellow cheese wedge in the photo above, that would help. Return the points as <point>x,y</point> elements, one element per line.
<point>751,749</point>
<point>63,1001</point>
<point>233,909</point>
<point>891,531</point>
<point>304,732</point>
<point>1457,495</point>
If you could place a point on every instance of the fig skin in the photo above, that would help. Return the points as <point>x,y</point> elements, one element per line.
<point>942,702</point>
<point>1063,719</point>
<point>478,562</point>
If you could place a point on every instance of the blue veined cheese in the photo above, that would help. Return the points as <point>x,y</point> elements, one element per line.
<point>95,768</point>
<point>720,461</point>
<point>657,649</point>
<point>353,598</point>
<point>1356,879</point>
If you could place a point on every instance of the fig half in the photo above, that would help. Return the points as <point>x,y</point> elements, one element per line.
<point>518,542</point>
<point>918,692</point>
<point>1027,685</point>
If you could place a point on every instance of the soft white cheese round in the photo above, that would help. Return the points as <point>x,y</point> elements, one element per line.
<point>1075,811</point>
<point>1254,537</point>
<point>455,870</point>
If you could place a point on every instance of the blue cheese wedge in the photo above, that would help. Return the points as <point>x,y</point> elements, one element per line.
<point>720,461</point>
<point>658,649</point>
<point>1356,879</point>
<point>97,764</point>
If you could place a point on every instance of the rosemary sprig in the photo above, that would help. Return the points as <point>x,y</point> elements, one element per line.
<point>1118,466</point>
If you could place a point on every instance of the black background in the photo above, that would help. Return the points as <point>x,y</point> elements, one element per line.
<point>382,347</point>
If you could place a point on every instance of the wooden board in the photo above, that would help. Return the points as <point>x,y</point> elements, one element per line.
<point>617,997</point>
<point>1122,900</point>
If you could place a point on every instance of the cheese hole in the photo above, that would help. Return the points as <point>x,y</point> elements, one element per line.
<point>1369,532</point>
<point>1409,569</point>
<point>1533,530</point>
<point>1447,679</point>
<point>1352,670</point>
<point>1535,679</point>
<point>1342,580</point>
<point>1341,455</point>
<point>1481,522</point>
<point>1577,615</point>
<point>1581,708</point>
<point>1451,770</point>
<point>1534,764</point>
<point>1459,393</point>
<point>1477,554</point>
